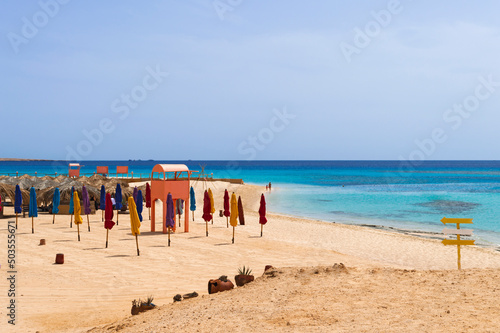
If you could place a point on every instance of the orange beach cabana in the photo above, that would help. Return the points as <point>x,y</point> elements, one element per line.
<point>174,179</point>
<point>74,170</point>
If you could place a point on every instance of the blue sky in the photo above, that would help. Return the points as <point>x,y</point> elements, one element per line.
<point>240,79</point>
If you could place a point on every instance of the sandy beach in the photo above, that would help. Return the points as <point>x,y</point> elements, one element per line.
<point>392,281</point>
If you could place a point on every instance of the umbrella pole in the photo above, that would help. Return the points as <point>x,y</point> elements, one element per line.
<point>107,233</point>
<point>102,216</point>
<point>53,218</point>
<point>206,224</point>
<point>179,220</point>
<point>32,225</point>
<point>233,235</point>
<point>193,215</point>
<point>16,220</point>
<point>88,223</point>
<point>149,211</point>
<point>227,221</point>
<point>117,216</point>
<point>137,244</point>
<point>78,227</point>
<point>71,223</point>
<point>261,228</point>
<point>168,236</point>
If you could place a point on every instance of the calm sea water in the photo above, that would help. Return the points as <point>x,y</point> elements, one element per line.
<point>385,193</point>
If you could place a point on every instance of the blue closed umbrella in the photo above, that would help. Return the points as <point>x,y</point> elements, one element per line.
<point>33,208</point>
<point>86,204</point>
<point>102,201</point>
<point>56,200</point>
<point>138,204</point>
<point>170,222</point>
<point>118,200</point>
<point>71,206</point>
<point>192,201</point>
<point>18,202</point>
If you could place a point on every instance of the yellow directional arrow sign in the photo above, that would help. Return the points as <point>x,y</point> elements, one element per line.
<point>457,242</point>
<point>447,220</point>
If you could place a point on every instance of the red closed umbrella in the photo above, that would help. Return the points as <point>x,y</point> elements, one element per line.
<point>108,216</point>
<point>148,199</point>
<point>227,213</point>
<point>262,213</point>
<point>241,215</point>
<point>207,208</point>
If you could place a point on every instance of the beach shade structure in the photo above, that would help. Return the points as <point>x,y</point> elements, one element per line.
<point>212,204</point>
<point>227,213</point>
<point>234,213</point>
<point>18,202</point>
<point>148,199</point>
<point>77,212</point>
<point>138,204</point>
<point>108,216</point>
<point>33,209</point>
<point>170,217</point>
<point>56,200</point>
<point>118,200</point>
<point>72,206</point>
<point>207,215</point>
<point>86,204</point>
<point>192,201</point>
<point>1,203</point>
<point>262,213</point>
<point>102,202</point>
<point>134,194</point>
<point>241,215</point>
<point>179,203</point>
<point>135,224</point>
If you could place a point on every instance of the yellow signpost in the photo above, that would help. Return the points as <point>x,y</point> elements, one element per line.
<point>458,232</point>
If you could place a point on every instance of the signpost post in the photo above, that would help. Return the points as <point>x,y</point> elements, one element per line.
<point>458,232</point>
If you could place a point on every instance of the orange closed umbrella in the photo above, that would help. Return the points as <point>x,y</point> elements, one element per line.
<point>212,205</point>
<point>77,211</point>
<point>233,219</point>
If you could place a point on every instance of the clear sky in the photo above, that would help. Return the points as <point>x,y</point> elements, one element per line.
<point>241,79</point>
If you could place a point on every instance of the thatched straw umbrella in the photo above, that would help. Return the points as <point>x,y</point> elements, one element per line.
<point>9,191</point>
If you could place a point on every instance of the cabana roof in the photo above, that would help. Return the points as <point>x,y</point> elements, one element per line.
<point>170,168</point>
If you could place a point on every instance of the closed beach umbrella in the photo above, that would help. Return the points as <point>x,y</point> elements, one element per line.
<point>207,215</point>
<point>56,200</point>
<point>108,216</point>
<point>86,204</point>
<point>262,213</point>
<point>192,201</point>
<point>102,201</point>
<point>33,208</point>
<point>18,202</point>
<point>241,215</point>
<point>148,199</point>
<point>134,194</point>
<point>227,213</point>
<point>170,223</point>
<point>72,206</point>
<point>135,224</point>
<point>138,204</point>
<point>178,209</point>
<point>212,204</point>
<point>77,212</point>
<point>1,203</point>
<point>118,200</point>
<point>234,213</point>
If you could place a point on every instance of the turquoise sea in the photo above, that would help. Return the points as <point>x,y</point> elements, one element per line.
<point>387,193</point>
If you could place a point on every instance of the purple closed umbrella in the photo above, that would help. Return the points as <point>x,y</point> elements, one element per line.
<point>134,194</point>
<point>170,223</point>
<point>86,204</point>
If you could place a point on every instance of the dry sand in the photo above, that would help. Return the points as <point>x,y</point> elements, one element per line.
<point>394,282</point>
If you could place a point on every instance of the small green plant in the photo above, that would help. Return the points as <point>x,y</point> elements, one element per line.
<point>245,271</point>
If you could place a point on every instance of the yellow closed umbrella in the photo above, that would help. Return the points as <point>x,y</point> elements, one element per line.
<point>135,223</point>
<point>233,218</point>
<point>77,212</point>
<point>212,205</point>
